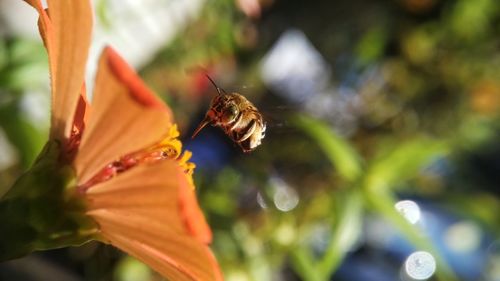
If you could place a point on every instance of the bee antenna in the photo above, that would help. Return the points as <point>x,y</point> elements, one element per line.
<point>215,85</point>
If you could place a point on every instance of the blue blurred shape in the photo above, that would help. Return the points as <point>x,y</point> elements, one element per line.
<point>210,151</point>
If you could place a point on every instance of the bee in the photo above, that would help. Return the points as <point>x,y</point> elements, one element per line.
<point>237,117</point>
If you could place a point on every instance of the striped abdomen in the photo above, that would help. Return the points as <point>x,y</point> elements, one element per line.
<point>248,129</point>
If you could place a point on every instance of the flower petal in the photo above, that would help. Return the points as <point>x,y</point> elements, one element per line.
<point>47,33</point>
<point>191,214</point>
<point>66,36</point>
<point>139,211</point>
<point>72,23</point>
<point>138,90</point>
<point>126,117</point>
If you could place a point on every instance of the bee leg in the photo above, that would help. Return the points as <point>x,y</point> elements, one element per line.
<point>246,145</point>
<point>250,130</point>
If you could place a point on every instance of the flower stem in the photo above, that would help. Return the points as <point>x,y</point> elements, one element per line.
<point>41,210</point>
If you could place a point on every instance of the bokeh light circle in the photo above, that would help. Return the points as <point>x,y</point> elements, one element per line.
<point>420,265</point>
<point>409,209</point>
<point>286,199</point>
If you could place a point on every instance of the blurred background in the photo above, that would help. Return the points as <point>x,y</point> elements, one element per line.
<point>381,160</point>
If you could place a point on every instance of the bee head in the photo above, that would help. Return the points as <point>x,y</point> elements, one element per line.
<point>223,109</point>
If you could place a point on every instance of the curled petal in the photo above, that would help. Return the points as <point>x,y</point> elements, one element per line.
<point>66,30</point>
<point>82,111</point>
<point>139,212</point>
<point>80,119</point>
<point>72,23</point>
<point>126,117</point>
<point>47,33</point>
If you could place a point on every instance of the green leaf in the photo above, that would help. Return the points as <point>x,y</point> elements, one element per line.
<point>341,154</point>
<point>303,264</point>
<point>346,232</point>
<point>403,162</point>
<point>392,167</point>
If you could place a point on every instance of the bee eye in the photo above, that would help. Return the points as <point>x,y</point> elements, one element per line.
<point>234,111</point>
<point>230,113</point>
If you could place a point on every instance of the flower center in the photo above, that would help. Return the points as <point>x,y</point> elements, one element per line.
<point>168,148</point>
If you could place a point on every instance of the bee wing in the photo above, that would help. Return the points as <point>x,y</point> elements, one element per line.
<point>276,117</point>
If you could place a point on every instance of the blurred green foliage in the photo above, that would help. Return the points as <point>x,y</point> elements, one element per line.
<point>425,74</point>
<point>23,72</point>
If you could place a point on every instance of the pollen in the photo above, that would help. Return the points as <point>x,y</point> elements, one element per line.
<point>169,147</point>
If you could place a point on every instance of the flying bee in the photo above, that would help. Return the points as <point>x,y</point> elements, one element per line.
<point>237,117</point>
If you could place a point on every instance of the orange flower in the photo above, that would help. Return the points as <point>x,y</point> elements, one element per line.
<point>124,151</point>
